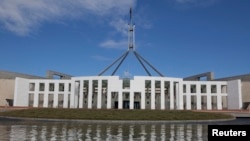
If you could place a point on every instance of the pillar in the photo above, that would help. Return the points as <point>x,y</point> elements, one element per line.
<point>219,102</point>
<point>46,95</point>
<point>90,93</point>
<point>171,95</point>
<point>131,100</point>
<point>81,94</point>
<point>198,97</point>
<point>188,97</point>
<point>152,94</point>
<point>99,95</point>
<point>65,96</point>
<point>72,95</point>
<point>180,96</point>
<point>108,98</point>
<point>162,95</point>
<point>209,102</point>
<point>120,95</point>
<point>36,94</point>
<point>55,99</point>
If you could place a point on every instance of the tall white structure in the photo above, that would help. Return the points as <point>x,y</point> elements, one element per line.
<point>141,92</point>
<point>138,92</point>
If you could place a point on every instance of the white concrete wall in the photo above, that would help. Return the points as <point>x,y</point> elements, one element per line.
<point>21,92</point>
<point>137,85</point>
<point>209,94</point>
<point>234,95</point>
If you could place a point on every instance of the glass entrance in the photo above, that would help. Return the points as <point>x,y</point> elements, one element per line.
<point>126,104</point>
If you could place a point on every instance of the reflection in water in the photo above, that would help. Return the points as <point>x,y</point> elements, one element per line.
<point>71,131</point>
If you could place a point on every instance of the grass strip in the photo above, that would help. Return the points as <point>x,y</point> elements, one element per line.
<point>101,114</point>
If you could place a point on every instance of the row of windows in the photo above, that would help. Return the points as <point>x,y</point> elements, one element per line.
<point>203,89</point>
<point>193,88</point>
<point>50,100</point>
<point>61,87</point>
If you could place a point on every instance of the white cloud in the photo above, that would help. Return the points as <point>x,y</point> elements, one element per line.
<point>120,25</point>
<point>112,44</point>
<point>196,2</point>
<point>23,16</point>
<point>100,58</point>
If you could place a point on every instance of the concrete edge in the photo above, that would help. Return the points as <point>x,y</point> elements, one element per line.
<point>117,121</point>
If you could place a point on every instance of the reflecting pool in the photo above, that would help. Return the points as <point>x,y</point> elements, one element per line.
<point>71,131</point>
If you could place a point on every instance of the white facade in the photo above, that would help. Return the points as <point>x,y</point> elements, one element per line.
<point>141,92</point>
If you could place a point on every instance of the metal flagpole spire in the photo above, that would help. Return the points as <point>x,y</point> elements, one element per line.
<point>131,47</point>
<point>131,35</point>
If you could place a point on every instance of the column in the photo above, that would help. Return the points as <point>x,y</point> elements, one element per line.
<point>131,99</point>
<point>72,96</point>
<point>90,93</point>
<point>81,95</point>
<point>171,95</point>
<point>209,106</point>
<point>152,94</point>
<point>109,98</point>
<point>162,95</point>
<point>219,102</point>
<point>180,96</point>
<point>198,97</point>
<point>55,99</point>
<point>120,95</point>
<point>65,95</point>
<point>46,95</point>
<point>76,94</point>
<point>36,94</point>
<point>99,95</point>
<point>188,97</point>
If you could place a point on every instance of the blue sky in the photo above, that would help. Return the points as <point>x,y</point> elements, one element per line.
<point>82,37</point>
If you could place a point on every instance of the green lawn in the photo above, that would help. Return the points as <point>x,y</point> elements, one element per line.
<point>114,114</point>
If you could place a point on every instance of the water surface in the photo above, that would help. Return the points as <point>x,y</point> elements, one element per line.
<point>71,131</point>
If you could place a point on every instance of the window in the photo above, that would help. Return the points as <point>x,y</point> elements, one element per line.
<point>32,86</point>
<point>157,86</point>
<point>95,86</point>
<point>203,89</point>
<point>127,95</point>
<point>126,84</point>
<point>41,87</point>
<point>51,86</point>
<point>148,88</point>
<point>213,89</point>
<point>60,100</point>
<point>104,87</point>
<point>31,100</point>
<point>193,88</point>
<point>184,88</point>
<point>51,100</point>
<point>61,87</point>
<point>40,100</point>
<point>85,86</point>
<point>69,87</point>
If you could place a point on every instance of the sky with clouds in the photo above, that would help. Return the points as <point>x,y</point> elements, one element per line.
<point>82,37</point>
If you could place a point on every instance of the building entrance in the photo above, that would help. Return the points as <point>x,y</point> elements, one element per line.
<point>116,104</point>
<point>126,104</point>
<point>137,105</point>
